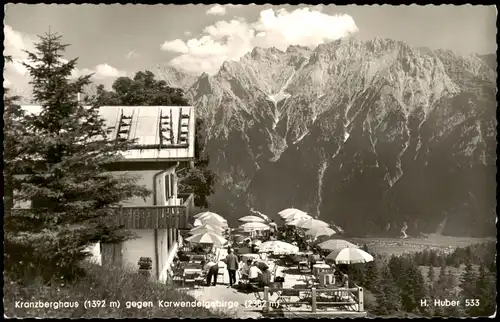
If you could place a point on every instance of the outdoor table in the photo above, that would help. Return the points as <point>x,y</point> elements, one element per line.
<point>246,257</point>
<point>193,269</point>
<point>197,258</point>
<point>318,268</point>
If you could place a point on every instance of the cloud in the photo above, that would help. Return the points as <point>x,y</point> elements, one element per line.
<point>230,40</point>
<point>133,55</point>
<point>177,46</point>
<point>217,10</point>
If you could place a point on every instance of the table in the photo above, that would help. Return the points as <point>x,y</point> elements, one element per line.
<point>318,268</point>
<point>246,257</point>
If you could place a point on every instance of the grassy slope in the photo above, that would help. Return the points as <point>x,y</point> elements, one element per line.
<point>110,284</point>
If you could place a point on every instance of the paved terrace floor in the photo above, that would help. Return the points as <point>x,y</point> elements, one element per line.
<point>247,305</point>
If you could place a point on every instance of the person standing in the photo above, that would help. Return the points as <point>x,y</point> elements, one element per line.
<point>212,269</point>
<point>232,266</point>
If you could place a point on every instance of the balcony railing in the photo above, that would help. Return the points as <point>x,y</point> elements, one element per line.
<point>157,217</point>
<point>152,217</point>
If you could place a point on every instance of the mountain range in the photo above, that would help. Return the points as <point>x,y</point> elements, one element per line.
<point>367,134</point>
<point>371,135</point>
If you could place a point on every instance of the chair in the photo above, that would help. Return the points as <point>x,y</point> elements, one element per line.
<point>221,272</point>
<point>177,274</point>
<point>241,279</point>
<point>189,279</point>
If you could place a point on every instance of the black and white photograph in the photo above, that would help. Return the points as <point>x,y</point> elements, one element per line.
<point>234,161</point>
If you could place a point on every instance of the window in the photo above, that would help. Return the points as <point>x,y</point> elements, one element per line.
<point>169,186</point>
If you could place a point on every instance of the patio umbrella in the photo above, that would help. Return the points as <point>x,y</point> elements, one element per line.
<point>293,217</point>
<point>251,226</point>
<point>311,223</point>
<point>295,222</point>
<point>211,215</point>
<point>206,227</point>
<point>206,213</point>
<point>214,222</point>
<point>320,231</point>
<point>266,218</point>
<point>334,244</point>
<point>207,238</point>
<point>252,219</point>
<point>278,247</point>
<point>290,211</point>
<point>350,256</point>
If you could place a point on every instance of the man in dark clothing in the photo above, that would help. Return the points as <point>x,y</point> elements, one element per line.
<point>232,266</point>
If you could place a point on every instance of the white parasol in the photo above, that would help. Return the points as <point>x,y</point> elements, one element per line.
<point>350,255</point>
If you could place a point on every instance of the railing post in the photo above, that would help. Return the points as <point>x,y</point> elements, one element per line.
<point>361,305</point>
<point>313,291</point>
<point>266,299</point>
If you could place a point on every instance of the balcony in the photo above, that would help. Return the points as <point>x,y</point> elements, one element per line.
<point>153,217</point>
<point>157,217</point>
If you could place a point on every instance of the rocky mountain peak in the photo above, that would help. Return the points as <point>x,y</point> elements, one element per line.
<point>351,120</point>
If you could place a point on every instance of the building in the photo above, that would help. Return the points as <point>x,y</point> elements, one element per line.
<point>165,139</point>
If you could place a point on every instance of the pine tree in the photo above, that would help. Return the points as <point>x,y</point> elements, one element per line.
<point>388,297</point>
<point>371,276</point>
<point>65,152</point>
<point>14,132</point>
<point>431,280</point>
<point>430,274</point>
<point>413,288</point>
<point>468,281</point>
<point>450,280</point>
<point>485,293</point>
<point>440,287</point>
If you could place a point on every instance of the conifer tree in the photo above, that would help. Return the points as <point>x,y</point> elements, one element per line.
<point>431,280</point>
<point>388,297</point>
<point>13,130</point>
<point>485,293</point>
<point>413,288</point>
<point>468,281</point>
<point>371,276</point>
<point>65,151</point>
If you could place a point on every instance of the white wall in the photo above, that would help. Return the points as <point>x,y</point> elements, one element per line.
<point>134,249</point>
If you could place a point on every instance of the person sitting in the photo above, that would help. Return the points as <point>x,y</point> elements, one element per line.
<point>313,258</point>
<point>245,270</point>
<point>254,273</point>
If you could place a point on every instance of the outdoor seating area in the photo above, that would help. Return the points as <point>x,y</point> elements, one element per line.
<point>267,267</point>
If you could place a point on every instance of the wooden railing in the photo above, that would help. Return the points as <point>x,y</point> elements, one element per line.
<point>151,217</point>
<point>157,217</point>
<point>354,299</point>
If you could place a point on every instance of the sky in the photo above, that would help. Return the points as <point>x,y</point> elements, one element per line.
<point>119,40</point>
